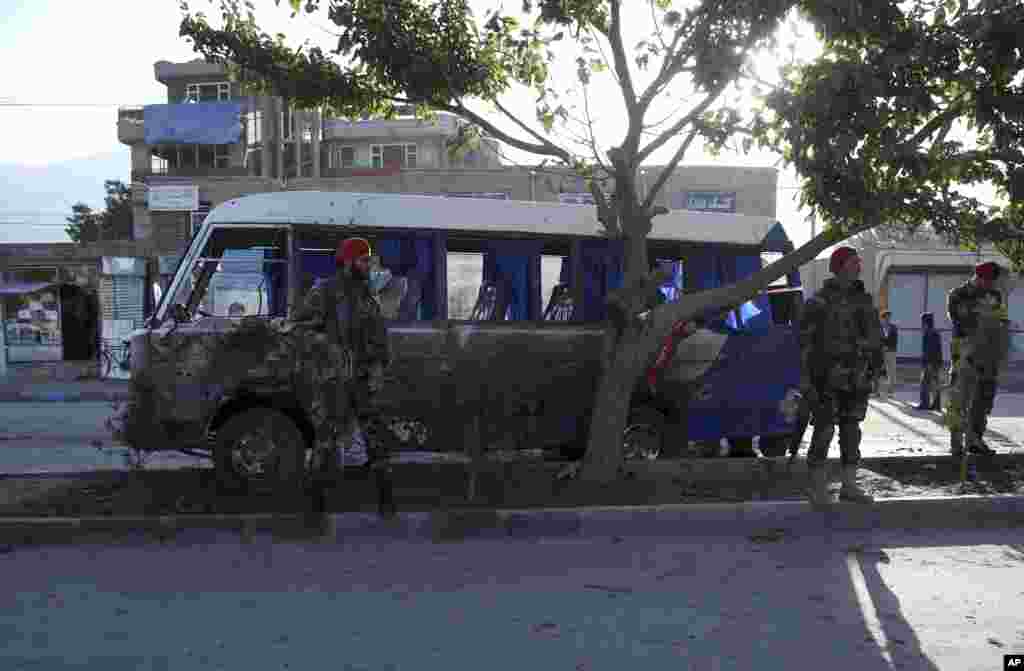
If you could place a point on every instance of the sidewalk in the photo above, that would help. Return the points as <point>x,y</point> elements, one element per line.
<point>19,390</point>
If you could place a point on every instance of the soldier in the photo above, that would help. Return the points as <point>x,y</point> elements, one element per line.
<point>356,352</point>
<point>973,384</point>
<point>841,354</point>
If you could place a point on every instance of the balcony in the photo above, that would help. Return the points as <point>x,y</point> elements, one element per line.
<point>394,129</point>
<point>154,176</point>
<point>131,127</point>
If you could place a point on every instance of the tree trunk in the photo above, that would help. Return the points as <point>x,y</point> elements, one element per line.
<point>611,408</point>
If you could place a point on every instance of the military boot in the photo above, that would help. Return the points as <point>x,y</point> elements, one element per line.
<point>980,447</point>
<point>817,486</point>
<point>851,491</point>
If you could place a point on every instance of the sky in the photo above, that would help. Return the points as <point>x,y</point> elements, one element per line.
<point>88,58</point>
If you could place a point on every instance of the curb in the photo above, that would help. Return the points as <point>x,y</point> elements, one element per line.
<point>62,396</point>
<point>779,518</point>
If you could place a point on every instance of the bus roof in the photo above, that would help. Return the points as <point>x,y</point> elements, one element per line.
<point>418,212</point>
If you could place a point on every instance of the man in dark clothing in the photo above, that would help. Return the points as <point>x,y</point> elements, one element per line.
<point>931,363</point>
<point>972,381</point>
<point>841,354</point>
<point>352,366</point>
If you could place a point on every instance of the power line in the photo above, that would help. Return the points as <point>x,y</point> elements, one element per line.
<point>118,105</point>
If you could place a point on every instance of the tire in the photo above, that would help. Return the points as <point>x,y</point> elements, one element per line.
<point>275,461</point>
<point>775,446</point>
<point>644,436</point>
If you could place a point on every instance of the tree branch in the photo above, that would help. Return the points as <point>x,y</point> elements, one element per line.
<point>546,149</point>
<point>634,113</point>
<point>668,170</point>
<point>677,127</point>
<point>614,36</point>
<point>519,122</point>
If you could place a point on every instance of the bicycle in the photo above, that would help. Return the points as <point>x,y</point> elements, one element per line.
<point>111,354</point>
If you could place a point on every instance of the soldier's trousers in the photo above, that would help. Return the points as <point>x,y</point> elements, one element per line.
<point>971,399</point>
<point>842,408</point>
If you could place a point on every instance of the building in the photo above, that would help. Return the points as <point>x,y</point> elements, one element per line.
<point>909,275</point>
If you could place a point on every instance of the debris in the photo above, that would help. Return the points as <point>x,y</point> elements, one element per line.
<point>996,642</point>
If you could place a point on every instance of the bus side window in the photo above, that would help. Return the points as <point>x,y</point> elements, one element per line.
<point>465,277</point>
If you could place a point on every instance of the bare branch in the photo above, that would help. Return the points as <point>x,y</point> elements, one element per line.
<point>590,128</point>
<point>669,169</point>
<point>671,66</point>
<point>519,122</point>
<point>547,148</point>
<point>677,127</point>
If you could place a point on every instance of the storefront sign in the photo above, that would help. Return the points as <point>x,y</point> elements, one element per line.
<point>173,198</point>
<point>711,201</point>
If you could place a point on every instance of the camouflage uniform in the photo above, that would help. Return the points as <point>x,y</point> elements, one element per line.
<point>349,355</point>
<point>841,353</point>
<point>973,363</point>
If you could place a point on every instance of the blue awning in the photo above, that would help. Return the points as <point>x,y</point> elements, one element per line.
<point>777,240</point>
<point>193,123</point>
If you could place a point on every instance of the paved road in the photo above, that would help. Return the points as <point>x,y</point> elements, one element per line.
<point>62,437</point>
<point>846,602</point>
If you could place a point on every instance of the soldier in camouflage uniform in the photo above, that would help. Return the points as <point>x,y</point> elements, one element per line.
<point>841,354</point>
<point>972,375</point>
<point>354,355</point>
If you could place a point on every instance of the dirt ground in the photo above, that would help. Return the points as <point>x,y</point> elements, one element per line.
<point>521,485</point>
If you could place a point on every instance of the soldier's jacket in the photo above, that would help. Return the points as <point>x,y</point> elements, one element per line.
<point>840,339</point>
<point>347,312</point>
<point>989,343</point>
<point>962,307</point>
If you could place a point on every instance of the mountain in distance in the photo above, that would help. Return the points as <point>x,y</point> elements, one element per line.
<point>34,198</point>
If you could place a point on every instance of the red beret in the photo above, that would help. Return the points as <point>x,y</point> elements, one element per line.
<point>839,257</point>
<point>350,249</point>
<point>988,270</point>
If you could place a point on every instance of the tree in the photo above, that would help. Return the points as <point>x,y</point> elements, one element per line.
<point>114,222</point>
<point>437,56</point>
<point>905,106</point>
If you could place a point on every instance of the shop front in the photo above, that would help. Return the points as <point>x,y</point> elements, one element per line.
<point>45,317</point>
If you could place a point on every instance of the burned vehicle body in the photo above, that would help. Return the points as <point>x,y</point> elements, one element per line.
<point>526,370</point>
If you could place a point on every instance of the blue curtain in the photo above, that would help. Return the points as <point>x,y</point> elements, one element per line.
<point>602,262</point>
<point>512,262</point>
<point>703,269</point>
<point>275,282</point>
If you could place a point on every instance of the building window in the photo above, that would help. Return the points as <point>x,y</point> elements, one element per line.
<point>403,155</point>
<point>205,93</point>
<point>187,157</point>
<point>158,164</point>
<point>342,157</point>
<point>254,128</point>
